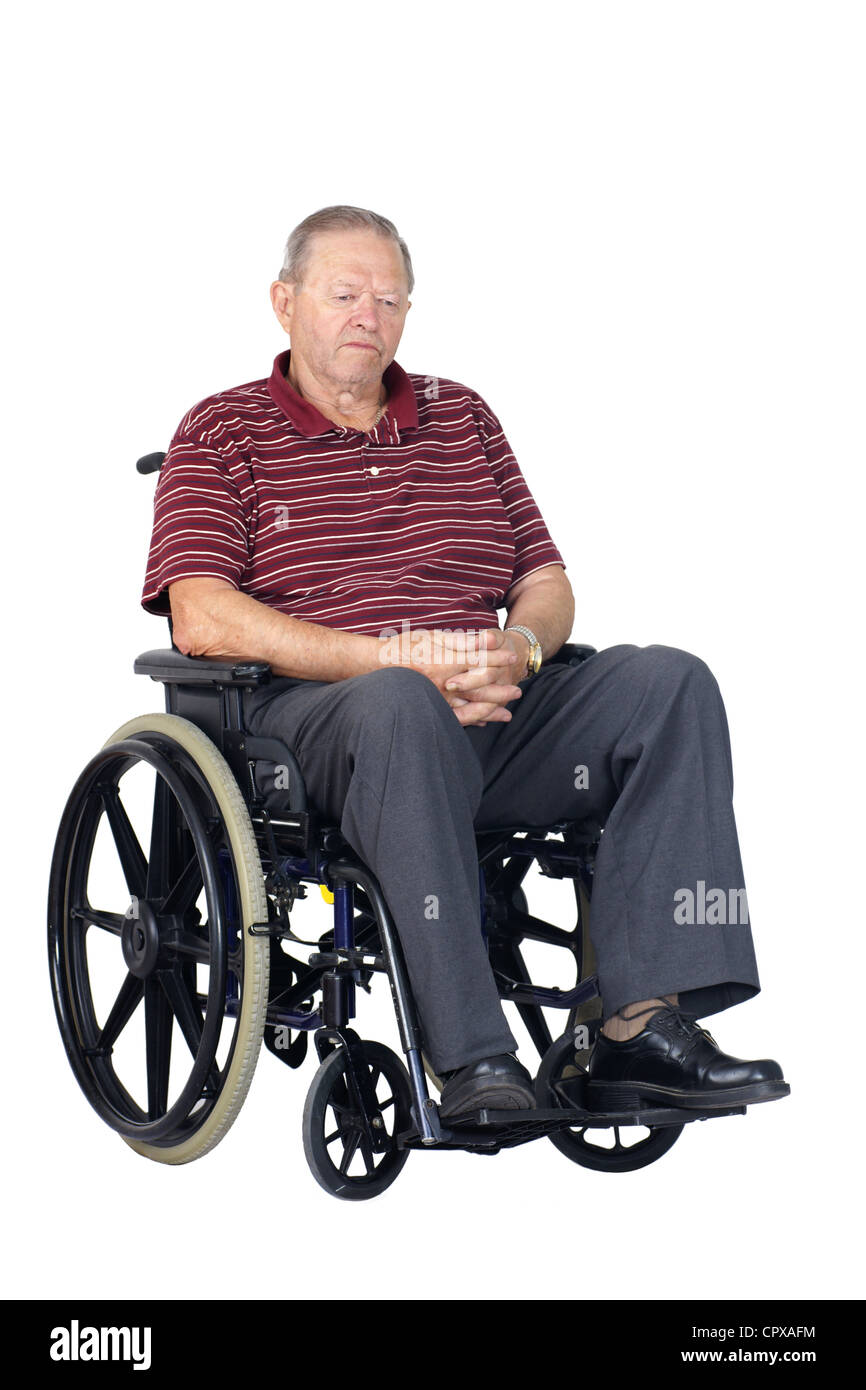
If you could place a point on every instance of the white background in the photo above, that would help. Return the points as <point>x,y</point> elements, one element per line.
<point>638,231</point>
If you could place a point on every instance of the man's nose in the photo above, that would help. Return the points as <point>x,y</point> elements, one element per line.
<point>366,310</point>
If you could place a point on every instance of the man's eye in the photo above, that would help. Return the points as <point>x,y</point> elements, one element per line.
<point>343,296</point>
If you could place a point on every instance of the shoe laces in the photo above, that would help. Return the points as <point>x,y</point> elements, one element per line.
<point>684,1020</point>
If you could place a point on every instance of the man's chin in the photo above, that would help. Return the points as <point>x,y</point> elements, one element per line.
<point>357,366</point>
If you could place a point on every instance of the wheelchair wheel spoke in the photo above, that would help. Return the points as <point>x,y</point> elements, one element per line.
<point>124,1006</point>
<point>367,1154</point>
<point>189,947</point>
<point>161,835</point>
<point>108,921</point>
<point>185,1009</point>
<point>184,892</point>
<point>158,1021</point>
<point>129,851</point>
<point>349,1151</point>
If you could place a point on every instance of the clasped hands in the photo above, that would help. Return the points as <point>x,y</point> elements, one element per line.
<point>474,671</point>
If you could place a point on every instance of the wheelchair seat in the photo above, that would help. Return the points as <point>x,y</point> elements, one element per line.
<point>210,692</point>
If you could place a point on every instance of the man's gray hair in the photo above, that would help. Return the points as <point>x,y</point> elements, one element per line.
<point>332,219</point>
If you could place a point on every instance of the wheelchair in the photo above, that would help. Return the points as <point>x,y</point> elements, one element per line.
<point>174,954</point>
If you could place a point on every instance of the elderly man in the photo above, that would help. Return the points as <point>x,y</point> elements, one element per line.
<point>310,518</point>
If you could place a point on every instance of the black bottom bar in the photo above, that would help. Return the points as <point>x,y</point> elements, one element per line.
<point>196,1337</point>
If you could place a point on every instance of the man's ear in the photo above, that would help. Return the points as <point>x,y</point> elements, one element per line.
<point>283,302</point>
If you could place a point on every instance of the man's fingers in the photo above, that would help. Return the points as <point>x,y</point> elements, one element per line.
<point>477,710</point>
<point>480,711</point>
<point>476,655</point>
<point>502,674</point>
<point>479,689</point>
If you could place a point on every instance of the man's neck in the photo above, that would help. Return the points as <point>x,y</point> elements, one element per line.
<point>356,405</point>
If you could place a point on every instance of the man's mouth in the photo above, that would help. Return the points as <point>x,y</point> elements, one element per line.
<point>372,346</point>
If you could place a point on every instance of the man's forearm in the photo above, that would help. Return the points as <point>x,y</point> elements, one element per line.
<point>547,609</point>
<point>225,622</point>
<point>213,619</point>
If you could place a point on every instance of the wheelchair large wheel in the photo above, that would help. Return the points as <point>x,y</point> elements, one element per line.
<point>159,988</point>
<point>340,1155</point>
<point>593,1146</point>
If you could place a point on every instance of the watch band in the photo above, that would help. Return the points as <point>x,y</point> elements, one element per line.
<point>534,662</point>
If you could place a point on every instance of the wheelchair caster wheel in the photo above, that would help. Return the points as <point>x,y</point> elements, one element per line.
<point>337,1142</point>
<point>558,1083</point>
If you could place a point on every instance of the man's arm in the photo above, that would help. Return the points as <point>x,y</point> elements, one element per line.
<point>544,602</point>
<point>212,618</point>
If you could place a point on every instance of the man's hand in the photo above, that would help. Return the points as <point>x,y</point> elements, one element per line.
<point>485,685</point>
<point>472,671</point>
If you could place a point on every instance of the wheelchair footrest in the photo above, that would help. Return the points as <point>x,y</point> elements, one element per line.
<point>488,1131</point>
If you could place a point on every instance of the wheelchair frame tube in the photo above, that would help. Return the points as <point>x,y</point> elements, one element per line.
<point>344,932</point>
<point>404,1005</point>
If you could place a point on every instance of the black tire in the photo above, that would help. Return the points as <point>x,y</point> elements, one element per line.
<point>329,1092</point>
<point>559,1065</point>
<point>179,955</point>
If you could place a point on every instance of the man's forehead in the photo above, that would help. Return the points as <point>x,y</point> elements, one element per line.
<point>356,259</point>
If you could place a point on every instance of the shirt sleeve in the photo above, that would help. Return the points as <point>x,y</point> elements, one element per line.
<point>199,523</point>
<point>533,544</point>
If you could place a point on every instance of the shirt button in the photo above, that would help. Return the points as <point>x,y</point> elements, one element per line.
<point>374,470</point>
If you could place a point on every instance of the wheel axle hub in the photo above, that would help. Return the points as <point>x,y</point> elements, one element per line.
<point>139,938</point>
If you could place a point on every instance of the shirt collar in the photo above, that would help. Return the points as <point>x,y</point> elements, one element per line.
<point>402,405</point>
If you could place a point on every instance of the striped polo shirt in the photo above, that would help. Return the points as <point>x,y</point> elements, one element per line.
<point>424,520</point>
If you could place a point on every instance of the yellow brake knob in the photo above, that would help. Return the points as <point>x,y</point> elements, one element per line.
<point>326,893</point>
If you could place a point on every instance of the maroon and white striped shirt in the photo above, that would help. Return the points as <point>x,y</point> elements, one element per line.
<point>424,519</point>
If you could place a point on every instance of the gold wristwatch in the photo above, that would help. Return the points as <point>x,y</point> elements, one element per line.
<point>534,662</point>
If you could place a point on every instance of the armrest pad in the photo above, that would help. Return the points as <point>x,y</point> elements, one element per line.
<point>172,666</point>
<point>572,654</point>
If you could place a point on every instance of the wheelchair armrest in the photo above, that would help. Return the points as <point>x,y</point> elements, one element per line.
<point>572,654</point>
<point>174,668</point>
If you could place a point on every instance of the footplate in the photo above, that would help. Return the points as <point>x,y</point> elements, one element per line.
<point>488,1131</point>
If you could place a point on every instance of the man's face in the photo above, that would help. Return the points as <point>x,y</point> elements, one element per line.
<point>347,318</point>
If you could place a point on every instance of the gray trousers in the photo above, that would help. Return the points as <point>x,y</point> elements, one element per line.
<point>635,737</point>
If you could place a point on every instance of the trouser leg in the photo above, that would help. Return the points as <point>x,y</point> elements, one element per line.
<point>384,755</point>
<point>638,739</point>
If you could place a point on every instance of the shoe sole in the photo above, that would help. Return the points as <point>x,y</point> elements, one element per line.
<point>615,1096</point>
<point>493,1098</point>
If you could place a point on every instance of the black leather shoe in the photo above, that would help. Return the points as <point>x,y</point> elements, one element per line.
<point>673,1061</point>
<point>499,1083</point>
